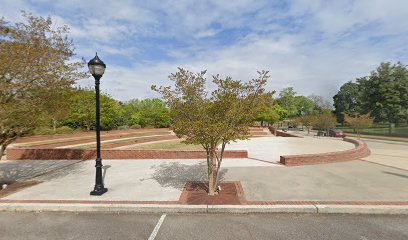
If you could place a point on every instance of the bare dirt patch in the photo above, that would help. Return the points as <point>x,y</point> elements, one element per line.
<point>195,193</point>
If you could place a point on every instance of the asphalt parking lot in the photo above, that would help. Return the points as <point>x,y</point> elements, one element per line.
<point>15,225</point>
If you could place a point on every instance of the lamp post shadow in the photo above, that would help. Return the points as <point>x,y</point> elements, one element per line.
<point>105,168</point>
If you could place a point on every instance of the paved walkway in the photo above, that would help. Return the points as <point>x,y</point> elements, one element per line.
<point>346,181</point>
<point>11,171</point>
<point>163,180</point>
<point>141,180</point>
<point>389,153</point>
<point>159,180</point>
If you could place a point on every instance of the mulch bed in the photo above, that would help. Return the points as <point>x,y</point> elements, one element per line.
<point>195,193</point>
<point>16,186</point>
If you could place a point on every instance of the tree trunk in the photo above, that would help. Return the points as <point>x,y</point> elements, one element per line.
<point>54,125</point>
<point>391,128</point>
<point>212,178</point>
<point>2,150</point>
<point>5,144</point>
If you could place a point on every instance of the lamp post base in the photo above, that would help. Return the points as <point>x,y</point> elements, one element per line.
<point>99,192</point>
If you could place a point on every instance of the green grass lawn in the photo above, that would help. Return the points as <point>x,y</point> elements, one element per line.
<point>381,130</point>
<point>398,139</point>
<point>93,145</point>
<point>168,145</point>
<point>59,140</point>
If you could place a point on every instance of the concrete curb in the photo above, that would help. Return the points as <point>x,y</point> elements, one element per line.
<point>365,209</point>
<point>262,209</point>
<point>238,209</point>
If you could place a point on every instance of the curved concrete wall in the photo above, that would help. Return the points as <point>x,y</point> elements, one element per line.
<point>359,151</point>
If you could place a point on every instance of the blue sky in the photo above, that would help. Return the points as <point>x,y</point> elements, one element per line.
<point>312,45</point>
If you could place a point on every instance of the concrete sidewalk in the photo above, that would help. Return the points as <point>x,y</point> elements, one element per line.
<point>141,180</point>
<point>390,153</point>
<point>354,185</point>
<point>347,187</point>
<point>163,180</point>
<point>271,148</point>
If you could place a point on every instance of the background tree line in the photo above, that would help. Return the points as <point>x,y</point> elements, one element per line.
<point>37,86</point>
<point>307,111</point>
<point>383,95</point>
<point>74,109</point>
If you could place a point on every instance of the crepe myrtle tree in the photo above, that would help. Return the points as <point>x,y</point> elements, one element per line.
<point>35,60</point>
<point>214,119</point>
<point>358,123</point>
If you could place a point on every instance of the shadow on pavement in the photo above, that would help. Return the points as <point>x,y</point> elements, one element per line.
<point>105,169</point>
<point>176,175</point>
<point>396,174</point>
<point>12,171</point>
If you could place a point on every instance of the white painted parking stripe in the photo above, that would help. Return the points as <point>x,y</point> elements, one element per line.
<point>156,229</point>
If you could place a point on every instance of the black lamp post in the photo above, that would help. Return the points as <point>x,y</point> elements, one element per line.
<point>97,68</point>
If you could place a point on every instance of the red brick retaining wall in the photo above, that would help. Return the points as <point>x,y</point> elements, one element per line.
<point>89,154</point>
<point>361,150</point>
<point>280,133</point>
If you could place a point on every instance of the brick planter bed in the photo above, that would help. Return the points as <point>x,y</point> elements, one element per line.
<point>89,154</point>
<point>195,193</point>
<point>361,150</point>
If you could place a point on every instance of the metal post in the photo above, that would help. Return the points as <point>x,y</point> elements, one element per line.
<point>99,188</point>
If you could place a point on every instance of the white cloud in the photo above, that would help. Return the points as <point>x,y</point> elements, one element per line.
<point>312,45</point>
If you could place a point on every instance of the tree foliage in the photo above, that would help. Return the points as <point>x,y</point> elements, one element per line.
<point>34,59</point>
<point>324,121</point>
<point>287,100</point>
<point>298,105</point>
<point>217,118</point>
<point>83,113</point>
<point>304,105</point>
<point>308,121</point>
<point>359,123</point>
<point>383,94</point>
<point>153,112</point>
<point>269,116</point>
<point>347,100</point>
<point>320,104</point>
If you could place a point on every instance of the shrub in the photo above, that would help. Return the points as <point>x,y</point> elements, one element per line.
<point>43,131</point>
<point>64,130</point>
<point>123,127</point>
<point>136,126</point>
<point>77,130</point>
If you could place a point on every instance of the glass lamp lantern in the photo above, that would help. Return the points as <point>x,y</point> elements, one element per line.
<point>96,67</point>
